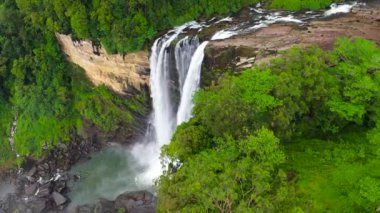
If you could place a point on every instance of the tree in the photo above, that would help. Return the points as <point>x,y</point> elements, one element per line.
<point>236,175</point>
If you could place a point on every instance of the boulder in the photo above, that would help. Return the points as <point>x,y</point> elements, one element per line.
<point>32,172</point>
<point>38,205</point>
<point>136,202</point>
<point>85,209</point>
<point>59,199</point>
<point>44,190</point>
<point>31,189</point>
<point>105,206</point>
<point>60,186</point>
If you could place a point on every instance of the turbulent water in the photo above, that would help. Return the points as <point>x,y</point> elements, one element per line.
<point>175,77</point>
<point>184,50</point>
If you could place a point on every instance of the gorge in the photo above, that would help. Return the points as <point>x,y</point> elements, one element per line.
<point>173,71</point>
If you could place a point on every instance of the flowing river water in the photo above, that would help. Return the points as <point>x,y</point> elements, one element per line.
<point>116,169</point>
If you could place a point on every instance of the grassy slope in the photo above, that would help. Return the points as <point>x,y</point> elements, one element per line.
<point>333,175</point>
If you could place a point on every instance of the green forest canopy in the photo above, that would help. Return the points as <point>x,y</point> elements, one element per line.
<point>301,134</point>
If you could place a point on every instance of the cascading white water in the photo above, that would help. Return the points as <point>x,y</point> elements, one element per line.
<point>163,110</point>
<point>163,117</point>
<point>191,85</point>
<point>184,50</point>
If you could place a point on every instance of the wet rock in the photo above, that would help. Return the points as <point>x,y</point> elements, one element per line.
<point>44,186</point>
<point>32,172</point>
<point>60,186</point>
<point>105,206</point>
<point>44,190</point>
<point>59,199</point>
<point>38,205</point>
<point>85,209</point>
<point>136,202</point>
<point>277,37</point>
<point>31,189</point>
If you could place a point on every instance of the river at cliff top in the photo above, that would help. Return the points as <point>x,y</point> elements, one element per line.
<point>109,173</point>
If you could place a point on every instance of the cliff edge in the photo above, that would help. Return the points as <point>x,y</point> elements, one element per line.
<point>121,73</point>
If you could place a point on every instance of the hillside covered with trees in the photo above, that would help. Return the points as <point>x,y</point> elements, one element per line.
<point>299,134</point>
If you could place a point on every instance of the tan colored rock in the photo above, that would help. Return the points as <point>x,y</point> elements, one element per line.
<point>119,73</point>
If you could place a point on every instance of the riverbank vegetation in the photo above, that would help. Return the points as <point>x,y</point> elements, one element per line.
<point>50,99</point>
<point>300,134</point>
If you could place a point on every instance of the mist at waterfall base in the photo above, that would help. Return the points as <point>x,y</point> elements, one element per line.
<point>6,188</point>
<point>117,169</point>
<point>109,173</point>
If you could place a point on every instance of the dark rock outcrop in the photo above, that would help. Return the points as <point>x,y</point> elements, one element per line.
<point>136,202</point>
<point>128,202</point>
<point>43,187</point>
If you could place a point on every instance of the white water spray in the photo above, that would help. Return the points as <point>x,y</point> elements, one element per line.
<point>184,50</point>
<point>191,85</point>
<point>163,116</point>
<point>343,8</point>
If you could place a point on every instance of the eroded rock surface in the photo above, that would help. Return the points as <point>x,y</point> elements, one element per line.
<point>120,73</point>
<point>243,51</point>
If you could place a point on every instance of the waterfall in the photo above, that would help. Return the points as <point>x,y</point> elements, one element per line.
<point>184,50</point>
<point>163,110</point>
<point>191,85</point>
<point>163,117</point>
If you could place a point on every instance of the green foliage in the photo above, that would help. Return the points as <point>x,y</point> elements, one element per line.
<point>237,103</point>
<point>339,176</point>
<point>49,97</point>
<point>308,98</point>
<point>104,109</point>
<point>301,4</point>
<point>232,176</point>
<point>188,140</point>
<point>5,124</point>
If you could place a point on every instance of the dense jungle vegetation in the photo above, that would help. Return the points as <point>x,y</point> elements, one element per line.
<point>300,134</point>
<point>50,98</point>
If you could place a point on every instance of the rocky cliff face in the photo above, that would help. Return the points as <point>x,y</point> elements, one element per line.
<point>244,51</point>
<point>120,73</point>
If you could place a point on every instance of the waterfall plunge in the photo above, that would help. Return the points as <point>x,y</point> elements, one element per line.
<point>189,56</point>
